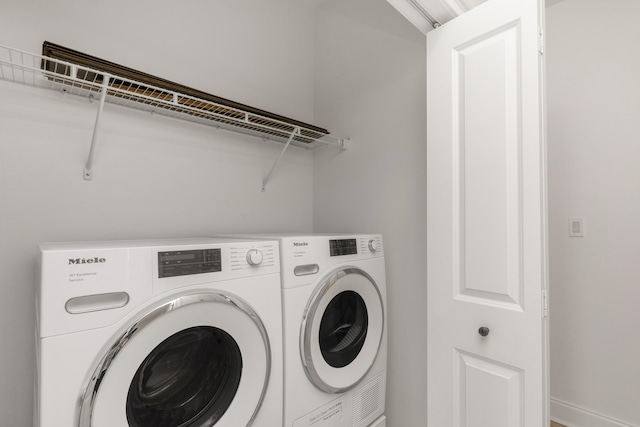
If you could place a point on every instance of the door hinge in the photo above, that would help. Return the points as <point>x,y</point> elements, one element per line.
<point>541,41</point>
<point>545,303</point>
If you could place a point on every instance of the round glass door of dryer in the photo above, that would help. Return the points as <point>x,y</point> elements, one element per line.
<point>342,330</point>
<point>198,360</point>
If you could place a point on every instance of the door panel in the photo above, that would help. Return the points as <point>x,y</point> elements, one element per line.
<point>486,219</point>
<point>487,393</point>
<point>486,168</point>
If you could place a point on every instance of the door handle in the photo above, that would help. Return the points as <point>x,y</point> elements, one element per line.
<point>484,331</point>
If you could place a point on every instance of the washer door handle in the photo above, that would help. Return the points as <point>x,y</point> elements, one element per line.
<point>96,302</point>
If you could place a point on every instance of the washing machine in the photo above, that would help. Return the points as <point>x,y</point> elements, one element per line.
<point>335,330</point>
<point>173,333</point>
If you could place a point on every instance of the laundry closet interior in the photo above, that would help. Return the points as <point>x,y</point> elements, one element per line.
<point>356,68</point>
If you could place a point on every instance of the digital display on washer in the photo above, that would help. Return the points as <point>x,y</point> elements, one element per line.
<point>179,257</point>
<point>183,263</point>
<point>343,247</point>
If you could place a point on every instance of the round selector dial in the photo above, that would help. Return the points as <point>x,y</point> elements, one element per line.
<point>373,245</point>
<point>254,257</point>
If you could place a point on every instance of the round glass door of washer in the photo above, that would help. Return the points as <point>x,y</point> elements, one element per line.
<point>342,330</point>
<point>198,360</point>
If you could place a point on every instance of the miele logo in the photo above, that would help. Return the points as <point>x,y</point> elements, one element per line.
<point>95,260</point>
<point>300,244</point>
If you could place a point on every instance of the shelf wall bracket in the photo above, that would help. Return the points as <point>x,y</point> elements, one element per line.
<point>296,131</point>
<point>88,172</point>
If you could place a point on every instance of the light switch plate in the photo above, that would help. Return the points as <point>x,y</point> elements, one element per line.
<point>576,227</point>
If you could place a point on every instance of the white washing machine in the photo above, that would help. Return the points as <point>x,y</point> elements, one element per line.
<point>180,333</point>
<point>335,332</point>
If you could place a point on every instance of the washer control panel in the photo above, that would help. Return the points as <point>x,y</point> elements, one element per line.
<point>210,260</point>
<point>186,262</point>
<point>251,256</point>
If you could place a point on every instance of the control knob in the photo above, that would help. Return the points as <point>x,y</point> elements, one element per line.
<point>373,245</point>
<point>254,257</point>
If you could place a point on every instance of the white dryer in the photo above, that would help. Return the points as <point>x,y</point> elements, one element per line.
<point>335,331</point>
<point>173,333</point>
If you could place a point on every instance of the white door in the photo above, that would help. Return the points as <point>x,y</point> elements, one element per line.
<point>486,224</point>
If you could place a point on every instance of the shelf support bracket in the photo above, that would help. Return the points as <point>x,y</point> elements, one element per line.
<point>88,173</point>
<point>296,131</point>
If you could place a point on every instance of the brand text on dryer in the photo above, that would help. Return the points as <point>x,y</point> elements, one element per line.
<point>95,260</point>
<point>300,244</point>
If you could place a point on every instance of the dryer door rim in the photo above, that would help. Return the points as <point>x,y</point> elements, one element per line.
<point>167,306</point>
<point>312,368</point>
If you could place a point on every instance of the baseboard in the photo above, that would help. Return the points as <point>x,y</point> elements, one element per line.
<point>571,415</point>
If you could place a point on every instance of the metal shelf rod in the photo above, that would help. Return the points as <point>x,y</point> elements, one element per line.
<point>88,173</point>
<point>266,178</point>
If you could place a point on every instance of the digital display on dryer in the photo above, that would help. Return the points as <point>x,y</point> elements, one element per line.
<point>183,263</point>
<point>343,247</point>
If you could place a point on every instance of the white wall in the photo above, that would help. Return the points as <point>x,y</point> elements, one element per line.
<point>593,68</point>
<point>153,176</point>
<point>255,52</point>
<point>370,85</point>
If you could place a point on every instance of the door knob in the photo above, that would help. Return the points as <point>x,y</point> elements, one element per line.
<point>484,331</point>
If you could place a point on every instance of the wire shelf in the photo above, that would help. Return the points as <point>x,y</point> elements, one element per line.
<point>41,71</point>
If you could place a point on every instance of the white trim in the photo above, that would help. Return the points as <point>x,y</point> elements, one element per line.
<point>571,415</point>
<point>412,14</point>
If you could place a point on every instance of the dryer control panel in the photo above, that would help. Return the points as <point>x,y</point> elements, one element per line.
<point>340,247</point>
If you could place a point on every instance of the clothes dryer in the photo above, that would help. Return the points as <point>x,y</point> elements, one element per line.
<point>180,333</point>
<point>335,331</point>
<point>380,422</point>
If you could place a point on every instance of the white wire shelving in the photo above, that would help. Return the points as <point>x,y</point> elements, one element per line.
<point>48,73</point>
